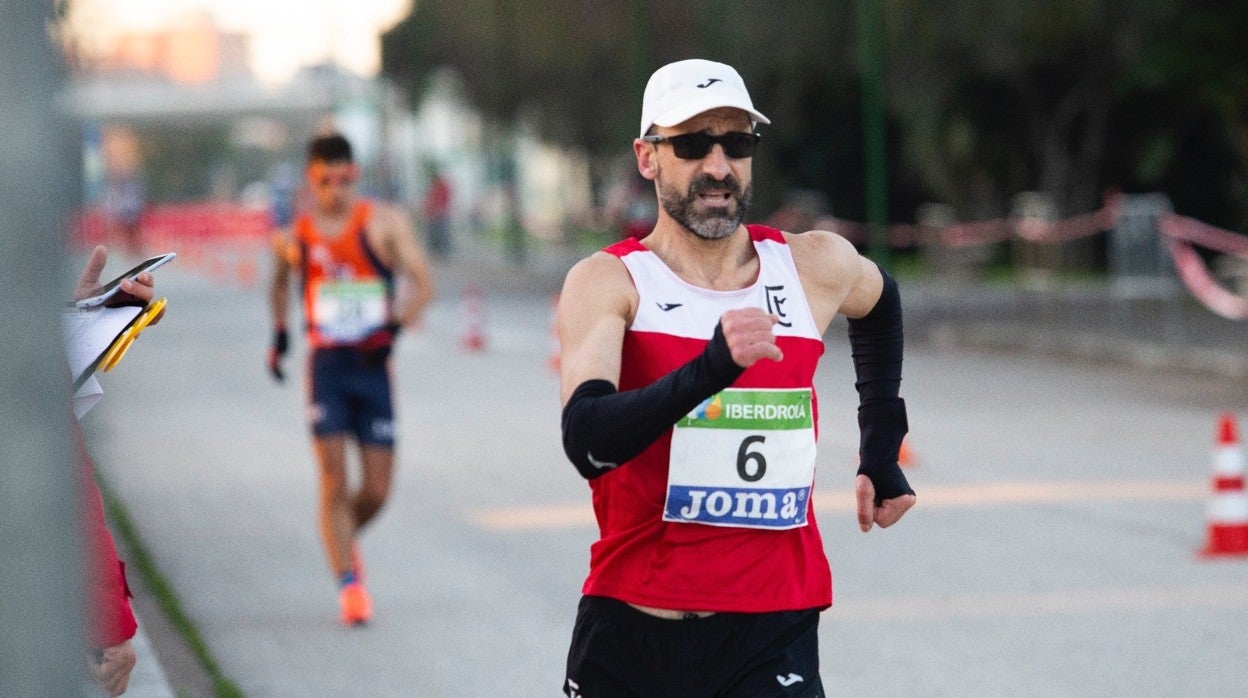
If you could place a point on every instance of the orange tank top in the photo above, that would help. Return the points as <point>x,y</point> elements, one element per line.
<point>347,291</point>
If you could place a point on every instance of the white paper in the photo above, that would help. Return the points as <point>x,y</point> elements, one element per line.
<point>89,332</point>
<point>87,397</point>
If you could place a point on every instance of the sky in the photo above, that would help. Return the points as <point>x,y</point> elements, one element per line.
<point>285,34</point>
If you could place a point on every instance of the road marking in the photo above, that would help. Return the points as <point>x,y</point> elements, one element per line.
<point>1040,603</point>
<point>554,516</point>
<point>536,517</point>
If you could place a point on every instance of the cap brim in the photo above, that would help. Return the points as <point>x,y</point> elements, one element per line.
<point>688,110</point>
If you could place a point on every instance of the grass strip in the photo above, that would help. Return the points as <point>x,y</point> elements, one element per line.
<point>142,560</point>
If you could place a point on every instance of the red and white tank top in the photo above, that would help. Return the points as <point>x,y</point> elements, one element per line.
<point>716,515</point>
<point>347,291</point>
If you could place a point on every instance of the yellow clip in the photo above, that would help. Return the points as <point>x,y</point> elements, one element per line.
<point>118,348</point>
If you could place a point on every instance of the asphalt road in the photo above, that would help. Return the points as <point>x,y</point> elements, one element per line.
<point>1051,551</point>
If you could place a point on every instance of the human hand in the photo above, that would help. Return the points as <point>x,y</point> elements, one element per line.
<point>111,667</point>
<point>748,334</point>
<point>887,513</point>
<point>281,344</point>
<point>136,291</point>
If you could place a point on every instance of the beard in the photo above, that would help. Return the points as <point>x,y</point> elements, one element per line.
<point>715,223</point>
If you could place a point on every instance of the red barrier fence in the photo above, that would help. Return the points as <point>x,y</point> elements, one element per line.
<point>225,242</point>
<point>185,222</point>
<point>192,225</point>
<point>970,234</point>
<point>1179,234</point>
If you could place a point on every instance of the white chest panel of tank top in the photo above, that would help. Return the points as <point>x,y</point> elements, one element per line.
<point>669,305</point>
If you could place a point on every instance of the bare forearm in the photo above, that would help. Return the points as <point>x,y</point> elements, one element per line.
<point>279,295</point>
<point>279,285</point>
<point>278,307</point>
<point>419,294</point>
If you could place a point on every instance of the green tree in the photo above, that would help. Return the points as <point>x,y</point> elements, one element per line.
<point>1182,123</point>
<point>986,98</point>
<point>1070,97</point>
<point>578,68</point>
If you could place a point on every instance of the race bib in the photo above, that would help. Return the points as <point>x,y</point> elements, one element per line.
<point>348,311</point>
<point>744,458</point>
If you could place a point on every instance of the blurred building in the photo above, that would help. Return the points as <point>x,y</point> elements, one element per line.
<point>194,51</point>
<point>199,127</point>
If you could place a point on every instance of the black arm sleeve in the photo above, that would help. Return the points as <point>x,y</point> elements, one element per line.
<point>876,342</point>
<point>603,428</point>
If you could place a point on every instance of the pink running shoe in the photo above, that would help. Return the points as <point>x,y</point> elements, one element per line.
<point>357,606</point>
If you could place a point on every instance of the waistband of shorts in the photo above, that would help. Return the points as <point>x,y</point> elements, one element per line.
<point>336,350</point>
<point>624,614</point>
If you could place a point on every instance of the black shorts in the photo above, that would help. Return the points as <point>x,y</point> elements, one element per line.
<point>350,396</point>
<point>618,651</point>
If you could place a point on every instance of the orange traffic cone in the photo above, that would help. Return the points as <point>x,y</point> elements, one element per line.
<point>554,360</point>
<point>1227,511</point>
<point>472,313</point>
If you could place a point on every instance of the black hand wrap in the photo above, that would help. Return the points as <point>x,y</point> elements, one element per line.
<point>876,342</point>
<point>603,428</point>
<point>281,344</point>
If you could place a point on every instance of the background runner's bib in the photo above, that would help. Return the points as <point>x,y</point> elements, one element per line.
<point>716,514</point>
<point>347,311</point>
<point>743,458</point>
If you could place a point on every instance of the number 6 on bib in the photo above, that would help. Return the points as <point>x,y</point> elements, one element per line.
<point>743,458</point>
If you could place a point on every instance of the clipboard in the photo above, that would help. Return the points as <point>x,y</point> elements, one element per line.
<point>96,339</point>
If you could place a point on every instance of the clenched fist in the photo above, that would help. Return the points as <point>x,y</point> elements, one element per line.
<point>749,336</point>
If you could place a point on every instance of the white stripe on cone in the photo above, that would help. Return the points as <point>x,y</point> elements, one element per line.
<point>1228,461</point>
<point>1228,508</point>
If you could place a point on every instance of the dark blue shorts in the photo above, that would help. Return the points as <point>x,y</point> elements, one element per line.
<point>620,652</point>
<point>350,396</point>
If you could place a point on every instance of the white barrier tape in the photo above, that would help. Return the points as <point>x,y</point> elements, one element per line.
<point>1203,286</point>
<point>1073,228</point>
<point>970,234</point>
<point>1205,235</point>
<point>1179,233</point>
<point>980,233</point>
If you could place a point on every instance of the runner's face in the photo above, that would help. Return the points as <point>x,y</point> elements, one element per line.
<point>709,196</point>
<point>332,184</point>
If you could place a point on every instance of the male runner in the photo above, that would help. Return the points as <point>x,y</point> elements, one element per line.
<point>687,382</point>
<point>351,253</point>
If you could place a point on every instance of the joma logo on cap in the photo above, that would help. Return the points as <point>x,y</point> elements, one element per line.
<point>709,82</point>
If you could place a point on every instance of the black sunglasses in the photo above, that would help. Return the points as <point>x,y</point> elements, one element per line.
<point>695,146</point>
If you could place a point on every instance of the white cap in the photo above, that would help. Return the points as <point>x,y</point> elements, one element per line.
<point>684,89</point>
